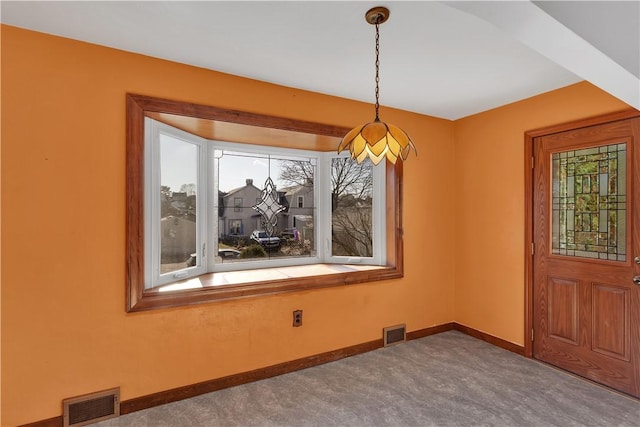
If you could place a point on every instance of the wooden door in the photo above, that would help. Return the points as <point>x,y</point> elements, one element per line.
<point>586,228</point>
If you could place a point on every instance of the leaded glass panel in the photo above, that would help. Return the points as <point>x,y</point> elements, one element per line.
<point>589,202</point>
<point>258,214</point>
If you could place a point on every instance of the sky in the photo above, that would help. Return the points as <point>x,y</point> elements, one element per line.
<point>178,164</point>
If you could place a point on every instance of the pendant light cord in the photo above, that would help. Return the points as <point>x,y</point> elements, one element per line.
<point>377,67</point>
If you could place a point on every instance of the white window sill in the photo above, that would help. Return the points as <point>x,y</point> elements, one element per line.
<point>263,275</point>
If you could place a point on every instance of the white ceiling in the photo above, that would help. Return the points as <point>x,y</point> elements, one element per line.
<point>444,59</point>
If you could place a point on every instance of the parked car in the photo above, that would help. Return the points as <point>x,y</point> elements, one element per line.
<point>264,240</point>
<point>224,253</point>
<point>227,253</point>
<point>192,260</point>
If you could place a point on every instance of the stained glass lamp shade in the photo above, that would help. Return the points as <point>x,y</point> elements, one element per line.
<point>377,140</point>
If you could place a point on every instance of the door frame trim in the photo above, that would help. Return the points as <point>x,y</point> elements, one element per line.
<point>529,136</point>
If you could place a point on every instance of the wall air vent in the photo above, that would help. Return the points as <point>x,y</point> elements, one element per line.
<point>394,334</point>
<point>91,408</point>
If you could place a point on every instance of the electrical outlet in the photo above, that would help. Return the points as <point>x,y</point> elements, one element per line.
<point>297,318</point>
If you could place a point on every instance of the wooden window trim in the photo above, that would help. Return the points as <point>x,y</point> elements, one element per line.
<point>207,117</point>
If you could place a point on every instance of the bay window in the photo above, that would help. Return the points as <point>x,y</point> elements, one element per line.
<point>270,212</point>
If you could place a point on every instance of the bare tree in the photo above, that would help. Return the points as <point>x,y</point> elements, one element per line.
<point>351,206</point>
<point>349,180</point>
<point>165,202</point>
<point>351,202</point>
<point>347,177</point>
<point>351,232</point>
<point>165,192</point>
<point>294,172</point>
<point>189,189</point>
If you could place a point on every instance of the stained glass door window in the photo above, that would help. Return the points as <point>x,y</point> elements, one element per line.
<point>589,202</point>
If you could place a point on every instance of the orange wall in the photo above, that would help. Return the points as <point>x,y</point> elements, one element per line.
<point>64,328</point>
<point>489,205</point>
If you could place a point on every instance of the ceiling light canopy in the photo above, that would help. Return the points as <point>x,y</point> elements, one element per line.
<point>376,140</point>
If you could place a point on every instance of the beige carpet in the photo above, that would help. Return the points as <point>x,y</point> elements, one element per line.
<point>449,379</point>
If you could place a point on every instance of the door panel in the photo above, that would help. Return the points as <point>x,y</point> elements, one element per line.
<point>586,222</point>
<point>611,312</point>
<point>563,310</point>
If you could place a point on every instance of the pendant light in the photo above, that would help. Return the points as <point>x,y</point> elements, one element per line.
<point>376,140</point>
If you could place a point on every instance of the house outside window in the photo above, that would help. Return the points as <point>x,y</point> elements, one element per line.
<point>301,201</point>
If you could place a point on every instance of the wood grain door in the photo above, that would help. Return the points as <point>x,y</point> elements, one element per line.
<point>586,226</point>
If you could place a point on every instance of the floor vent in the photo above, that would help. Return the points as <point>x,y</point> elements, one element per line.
<point>91,408</point>
<point>394,334</point>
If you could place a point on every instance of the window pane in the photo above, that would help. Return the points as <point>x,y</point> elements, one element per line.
<point>589,202</point>
<point>259,214</point>
<point>351,208</point>
<point>178,178</point>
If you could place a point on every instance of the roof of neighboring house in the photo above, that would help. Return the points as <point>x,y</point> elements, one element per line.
<point>235,190</point>
<point>290,191</point>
